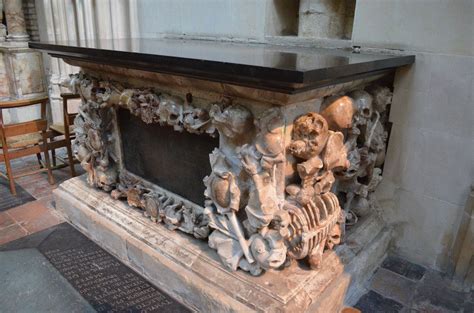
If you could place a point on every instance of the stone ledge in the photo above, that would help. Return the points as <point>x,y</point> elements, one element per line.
<point>189,270</point>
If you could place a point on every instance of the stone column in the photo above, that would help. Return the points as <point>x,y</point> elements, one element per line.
<point>3,29</point>
<point>15,21</point>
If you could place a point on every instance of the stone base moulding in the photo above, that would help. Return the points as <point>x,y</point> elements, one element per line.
<point>189,270</point>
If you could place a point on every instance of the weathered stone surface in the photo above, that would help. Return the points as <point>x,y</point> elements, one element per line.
<point>15,20</point>
<point>253,218</point>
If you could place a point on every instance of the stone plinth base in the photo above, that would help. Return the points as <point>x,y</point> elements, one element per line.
<point>21,71</point>
<point>190,271</point>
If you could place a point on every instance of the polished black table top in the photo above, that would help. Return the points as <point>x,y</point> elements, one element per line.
<point>279,68</point>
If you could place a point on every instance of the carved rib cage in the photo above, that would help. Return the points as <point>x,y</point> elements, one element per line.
<point>311,224</point>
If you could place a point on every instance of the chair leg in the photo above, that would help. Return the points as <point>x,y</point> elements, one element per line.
<point>53,154</point>
<point>38,156</point>
<point>46,158</point>
<point>10,175</point>
<point>70,158</point>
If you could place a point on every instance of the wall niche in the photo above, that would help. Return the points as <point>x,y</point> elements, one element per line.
<point>321,19</point>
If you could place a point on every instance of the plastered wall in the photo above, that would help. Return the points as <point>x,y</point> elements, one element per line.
<point>430,160</point>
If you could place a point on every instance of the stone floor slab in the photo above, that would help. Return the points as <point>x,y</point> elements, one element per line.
<point>7,200</point>
<point>435,290</point>
<point>5,220</point>
<point>31,284</point>
<point>373,302</point>
<point>11,233</point>
<point>106,283</point>
<point>30,241</point>
<point>393,286</point>
<point>403,267</point>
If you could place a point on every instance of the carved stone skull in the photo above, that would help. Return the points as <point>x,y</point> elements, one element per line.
<point>310,134</point>
<point>363,103</point>
<point>170,111</point>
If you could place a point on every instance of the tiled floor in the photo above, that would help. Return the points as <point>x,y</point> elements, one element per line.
<point>36,215</point>
<point>401,286</point>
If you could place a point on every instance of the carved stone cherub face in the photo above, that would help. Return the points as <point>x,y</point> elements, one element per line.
<point>310,134</point>
<point>233,121</point>
<point>269,251</point>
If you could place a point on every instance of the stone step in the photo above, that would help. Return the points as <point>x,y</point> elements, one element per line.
<point>191,272</point>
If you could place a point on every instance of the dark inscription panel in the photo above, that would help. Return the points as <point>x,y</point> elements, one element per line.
<point>107,284</point>
<point>176,161</point>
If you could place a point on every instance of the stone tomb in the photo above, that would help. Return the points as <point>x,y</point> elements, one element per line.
<point>237,177</point>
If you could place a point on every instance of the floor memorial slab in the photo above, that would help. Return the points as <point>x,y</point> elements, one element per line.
<point>69,273</point>
<point>30,283</point>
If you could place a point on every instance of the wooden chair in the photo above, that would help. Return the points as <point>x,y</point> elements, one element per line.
<point>23,139</point>
<point>66,130</point>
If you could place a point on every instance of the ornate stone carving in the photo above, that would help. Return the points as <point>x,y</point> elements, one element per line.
<point>244,208</point>
<point>95,147</point>
<point>366,139</point>
<point>251,218</point>
<point>316,218</point>
<point>94,143</point>
<point>264,231</point>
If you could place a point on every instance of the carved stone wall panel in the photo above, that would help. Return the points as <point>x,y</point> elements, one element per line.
<point>277,176</point>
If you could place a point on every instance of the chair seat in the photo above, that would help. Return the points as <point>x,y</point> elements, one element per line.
<point>61,129</point>
<point>23,140</point>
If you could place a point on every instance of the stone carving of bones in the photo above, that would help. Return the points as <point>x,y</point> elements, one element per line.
<point>317,221</point>
<point>363,115</point>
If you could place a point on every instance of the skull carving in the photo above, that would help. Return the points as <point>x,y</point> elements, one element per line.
<point>195,119</point>
<point>170,112</point>
<point>363,103</point>
<point>309,136</point>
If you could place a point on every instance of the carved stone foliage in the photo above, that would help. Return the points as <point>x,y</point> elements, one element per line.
<point>161,207</point>
<point>362,116</point>
<point>94,143</point>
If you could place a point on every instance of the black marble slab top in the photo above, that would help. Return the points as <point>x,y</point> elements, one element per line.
<point>279,68</point>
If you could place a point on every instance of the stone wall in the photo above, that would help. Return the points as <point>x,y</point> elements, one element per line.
<point>31,18</point>
<point>430,159</point>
